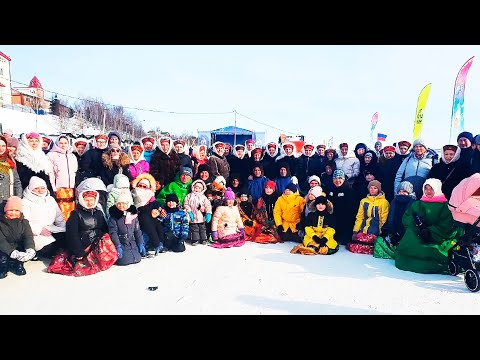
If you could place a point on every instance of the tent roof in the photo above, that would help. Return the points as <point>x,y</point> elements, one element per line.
<point>231,130</point>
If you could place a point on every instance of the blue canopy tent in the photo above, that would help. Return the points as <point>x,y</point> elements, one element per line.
<point>231,134</point>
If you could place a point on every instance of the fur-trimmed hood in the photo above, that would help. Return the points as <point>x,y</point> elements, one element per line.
<point>118,214</point>
<point>147,176</point>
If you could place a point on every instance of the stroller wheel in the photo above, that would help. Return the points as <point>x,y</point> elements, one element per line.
<point>472,280</point>
<point>453,269</point>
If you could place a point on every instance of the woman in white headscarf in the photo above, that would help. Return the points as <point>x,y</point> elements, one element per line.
<point>32,161</point>
<point>45,217</point>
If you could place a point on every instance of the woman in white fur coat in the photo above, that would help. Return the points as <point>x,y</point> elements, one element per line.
<point>45,217</point>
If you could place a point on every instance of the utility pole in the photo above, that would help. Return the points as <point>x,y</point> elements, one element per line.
<point>235,130</point>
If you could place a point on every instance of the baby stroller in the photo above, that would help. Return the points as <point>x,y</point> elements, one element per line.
<point>465,207</point>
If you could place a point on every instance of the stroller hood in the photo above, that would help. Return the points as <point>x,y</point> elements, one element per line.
<point>464,202</point>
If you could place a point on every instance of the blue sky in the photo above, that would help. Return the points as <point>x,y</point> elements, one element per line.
<point>319,91</point>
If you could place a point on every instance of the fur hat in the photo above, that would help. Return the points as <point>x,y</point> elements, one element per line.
<point>343,145</point>
<point>271,145</point>
<point>250,141</point>
<point>239,147</point>
<point>13,203</point>
<point>406,186</point>
<point>314,177</point>
<point>271,184</point>
<point>320,146</point>
<point>204,167</point>
<point>179,142</point>
<point>229,194</point>
<point>292,187</point>
<point>171,197</point>
<point>149,139</point>
<point>101,136</point>
<point>257,150</point>
<point>35,182</point>
<point>389,148</point>
<point>375,183</point>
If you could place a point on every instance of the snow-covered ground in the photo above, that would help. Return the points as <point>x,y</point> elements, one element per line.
<point>21,122</point>
<point>253,279</point>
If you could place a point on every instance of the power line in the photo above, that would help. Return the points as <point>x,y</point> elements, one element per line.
<point>270,126</point>
<point>160,111</point>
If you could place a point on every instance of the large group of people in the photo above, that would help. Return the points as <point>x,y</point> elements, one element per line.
<point>84,206</point>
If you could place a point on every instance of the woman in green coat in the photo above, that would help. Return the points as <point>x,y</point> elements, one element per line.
<point>430,232</point>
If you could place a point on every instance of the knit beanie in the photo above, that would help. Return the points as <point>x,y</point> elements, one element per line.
<point>314,177</point>
<point>11,141</point>
<point>292,187</point>
<point>465,134</point>
<point>35,182</point>
<point>125,197</point>
<point>339,174</point>
<point>13,203</point>
<point>271,184</point>
<point>406,186</point>
<point>171,197</point>
<point>375,183</point>
<point>229,194</point>
<point>315,191</point>
<point>419,142</point>
<point>186,170</point>
<point>477,139</point>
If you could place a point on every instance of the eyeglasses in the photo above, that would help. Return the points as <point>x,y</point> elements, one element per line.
<point>143,186</point>
<point>116,150</point>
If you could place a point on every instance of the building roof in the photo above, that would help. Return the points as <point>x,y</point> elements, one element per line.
<point>5,56</point>
<point>35,83</point>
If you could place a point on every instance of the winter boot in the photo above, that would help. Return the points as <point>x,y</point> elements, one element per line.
<point>160,249</point>
<point>3,265</point>
<point>16,267</point>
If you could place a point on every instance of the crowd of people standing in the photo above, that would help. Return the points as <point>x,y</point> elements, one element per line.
<point>85,206</point>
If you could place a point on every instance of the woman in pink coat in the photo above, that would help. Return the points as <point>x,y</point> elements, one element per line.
<point>65,166</point>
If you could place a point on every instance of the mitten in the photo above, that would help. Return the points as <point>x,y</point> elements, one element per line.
<point>249,222</point>
<point>280,228</point>
<point>29,255</point>
<point>119,251</point>
<point>208,217</point>
<point>17,254</point>
<point>142,250</point>
<point>294,180</point>
<point>242,231</point>
<point>192,217</point>
<point>214,235</point>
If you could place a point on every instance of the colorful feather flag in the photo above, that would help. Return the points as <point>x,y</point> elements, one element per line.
<point>421,104</point>
<point>456,125</point>
<point>373,124</point>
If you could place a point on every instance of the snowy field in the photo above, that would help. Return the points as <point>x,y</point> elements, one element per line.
<point>253,279</point>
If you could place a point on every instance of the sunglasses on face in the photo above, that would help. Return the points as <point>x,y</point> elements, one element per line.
<point>143,186</point>
<point>115,150</point>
